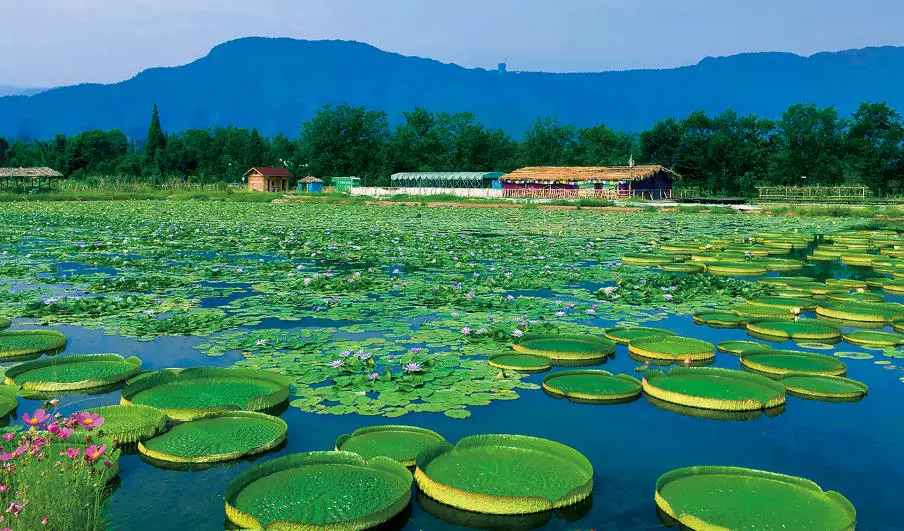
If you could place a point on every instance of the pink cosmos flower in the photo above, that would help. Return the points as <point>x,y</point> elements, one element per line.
<point>9,436</point>
<point>412,367</point>
<point>14,508</point>
<point>107,463</point>
<point>3,488</point>
<point>95,452</point>
<point>6,456</point>
<point>65,433</point>
<point>89,420</point>
<point>72,453</point>
<point>39,417</point>
<point>54,428</point>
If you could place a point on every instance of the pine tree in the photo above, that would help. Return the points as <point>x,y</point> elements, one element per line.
<point>156,140</point>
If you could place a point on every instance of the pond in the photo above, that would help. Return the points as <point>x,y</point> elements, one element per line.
<point>268,286</point>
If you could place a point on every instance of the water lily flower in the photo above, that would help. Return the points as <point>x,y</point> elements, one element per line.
<point>373,376</point>
<point>89,420</point>
<point>260,342</point>
<point>54,402</point>
<point>481,330</point>
<point>415,350</point>
<point>509,297</point>
<point>345,353</point>
<point>363,356</point>
<point>39,417</point>
<point>412,367</point>
<point>95,452</point>
<point>668,296</point>
<point>466,331</point>
<point>609,289</point>
<point>560,314</point>
<point>454,314</point>
<point>336,364</point>
<point>469,295</point>
<point>517,333</point>
<point>306,281</point>
<point>590,311</point>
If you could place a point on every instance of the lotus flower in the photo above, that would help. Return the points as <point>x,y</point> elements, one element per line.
<point>412,367</point>
<point>95,452</point>
<point>89,420</point>
<point>39,417</point>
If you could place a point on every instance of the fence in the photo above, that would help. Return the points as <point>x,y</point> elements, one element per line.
<point>377,191</point>
<point>812,193</point>
<point>578,193</point>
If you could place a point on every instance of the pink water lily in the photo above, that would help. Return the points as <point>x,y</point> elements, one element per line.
<point>95,452</point>
<point>336,363</point>
<point>89,420</point>
<point>39,417</point>
<point>412,367</point>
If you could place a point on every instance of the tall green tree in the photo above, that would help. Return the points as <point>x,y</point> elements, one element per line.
<point>344,140</point>
<point>876,148</point>
<point>155,140</point>
<point>811,147</point>
<point>548,143</point>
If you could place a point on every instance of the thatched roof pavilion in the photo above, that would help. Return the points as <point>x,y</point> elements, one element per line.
<point>585,174</point>
<point>21,179</point>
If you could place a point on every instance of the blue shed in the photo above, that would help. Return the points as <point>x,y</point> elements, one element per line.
<point>310,184</point>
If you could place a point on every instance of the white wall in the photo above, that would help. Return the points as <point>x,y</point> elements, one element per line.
<point>374,191</point>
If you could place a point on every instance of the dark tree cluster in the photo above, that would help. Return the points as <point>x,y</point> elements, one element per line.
<point>725,154</point>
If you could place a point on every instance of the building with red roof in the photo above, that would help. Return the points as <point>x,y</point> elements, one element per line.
<point>268,179</point>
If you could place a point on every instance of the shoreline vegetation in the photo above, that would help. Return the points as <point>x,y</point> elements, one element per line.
<point>222,192</point>
<point>724,155</point>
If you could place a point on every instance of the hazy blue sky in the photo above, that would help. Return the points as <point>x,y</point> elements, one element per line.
<point>52,42</point>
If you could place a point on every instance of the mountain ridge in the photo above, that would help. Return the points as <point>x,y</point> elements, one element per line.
<point>275,84</point>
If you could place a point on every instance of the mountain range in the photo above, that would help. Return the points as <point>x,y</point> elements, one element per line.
<point>275,84</point>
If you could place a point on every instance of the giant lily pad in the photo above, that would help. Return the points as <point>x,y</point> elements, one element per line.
<point>400,443</point>
<point>648,259</point>
<point>781,362</point>
<point>714,388</point>
<point>873,338</point>
<point>519,362</point>
<point>722,497</point>
<point>720,319</point>
<point>217,437</point>
<point>504,474</point>
<point>805,329</point>
<point>672,348</point>
<point>625,334</point>
<point>78,372</point>
<point>738,347</point>
<point>565,347</point>
<point>736,269</point>
<point>8,399</point>
<point>752,312</point>
<point>591,385</point>
<point>185,394</point>
<point>130,424</point>
<point>789,303</point>
<point>866,312</point>
<point>319,490</point>
<point>820,386</point>
<point>19,344</point>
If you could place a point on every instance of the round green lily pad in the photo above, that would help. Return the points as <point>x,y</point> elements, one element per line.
<point>186,394</point>
<point>400,443</point>
<point>849,283</point>
<point>800,329</point>
<point>821,386</point>
<point>873,338</point>
<point>18,344</point>
<point>714,388</point>
<point>758,312</point>
<point>78,372</point>
<point>723,497</point>
<point>784,281</point>
<point>857,296</point>
<point>738,347</point>
<point>681,267</point>
<point>648,259</point>
<point>789,303</point>
<point>736,269</point>
<point>672,348</point>
<point>625,334</point>
<point>8,399</point>
<point>853,355</point>
<point>592,385</point>
<point>565,347</point>
<point>504,474</point>
<point>519,362</point>
<point>130,424</point>
<point>217,437</point>
<point>720,319</point>
<point>814,346</point>
<point>780,362</point>
<point>319,490</point>
<point>860,311</point>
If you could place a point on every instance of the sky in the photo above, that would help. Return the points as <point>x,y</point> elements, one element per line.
<point>59,42</point>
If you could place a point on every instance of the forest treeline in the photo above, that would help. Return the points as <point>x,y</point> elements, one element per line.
<point>726,154</point>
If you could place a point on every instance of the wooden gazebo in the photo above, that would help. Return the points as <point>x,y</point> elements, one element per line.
<point>27,179</point>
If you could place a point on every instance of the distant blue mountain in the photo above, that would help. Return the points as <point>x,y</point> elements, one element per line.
<point>276,84</point>
<point>9,90</point>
